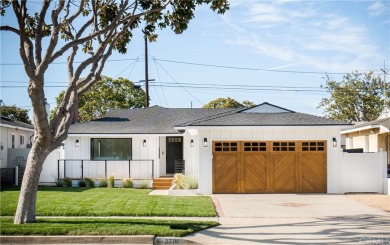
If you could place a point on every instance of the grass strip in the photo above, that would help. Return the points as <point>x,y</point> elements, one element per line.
<point>104,226</point>
<point>62,201</point>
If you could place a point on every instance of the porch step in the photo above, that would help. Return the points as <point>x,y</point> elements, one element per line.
<point>162,183</point>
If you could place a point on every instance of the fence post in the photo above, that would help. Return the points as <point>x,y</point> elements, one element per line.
<point>16,175</point>
<point>152,169</point>
<point>105,168</point>
<point>129,168</point>
<point>82,169</point>
<point>58,169</point>
<point>64,169</point>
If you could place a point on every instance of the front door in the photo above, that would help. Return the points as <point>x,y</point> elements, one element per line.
<point>174,152</point>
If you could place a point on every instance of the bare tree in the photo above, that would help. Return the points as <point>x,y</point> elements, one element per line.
<point>106,26</point>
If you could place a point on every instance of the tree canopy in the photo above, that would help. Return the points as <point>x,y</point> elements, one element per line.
<point>15,113</point>
<point>357,97</point>
<point>84,30</point>
<point>228,103</point>
<point>105,94</point>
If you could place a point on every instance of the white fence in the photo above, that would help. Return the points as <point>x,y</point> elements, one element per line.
<point>363,172</point>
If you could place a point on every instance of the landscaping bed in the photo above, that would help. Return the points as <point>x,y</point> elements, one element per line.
<point>62,201</point>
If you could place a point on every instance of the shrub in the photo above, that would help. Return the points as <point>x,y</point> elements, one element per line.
<point>179,181</point>
<point>67,181</point>
<point>111,182</point>
<point>82,183</point>
<point>144,184</point>
<point>127,183</point>
<point>103,183</point>
<point>90,182</point>
<point>192,182</point>
<point>184,182</point>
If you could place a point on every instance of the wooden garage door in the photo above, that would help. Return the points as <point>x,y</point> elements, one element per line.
<point>269,166</point>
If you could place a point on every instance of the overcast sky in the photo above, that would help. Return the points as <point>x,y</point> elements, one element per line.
<point>277,52</point>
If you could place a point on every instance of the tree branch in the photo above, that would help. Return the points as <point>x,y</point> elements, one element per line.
<point>10,28</point>
<point>38,31</point>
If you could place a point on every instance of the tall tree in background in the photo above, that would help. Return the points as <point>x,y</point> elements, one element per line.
<point>358,97</point>
<point>228,103</point>
<point>96,28</point>
<point>105,94</point>
<point>15,113</point>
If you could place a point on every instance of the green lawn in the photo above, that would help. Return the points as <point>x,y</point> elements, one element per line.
<point>62,201</point>
<point>102,226</point>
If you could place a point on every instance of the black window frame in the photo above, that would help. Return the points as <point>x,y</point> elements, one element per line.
<point>103,158</point>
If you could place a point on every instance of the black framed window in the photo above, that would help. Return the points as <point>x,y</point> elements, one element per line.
<point>111,149</point>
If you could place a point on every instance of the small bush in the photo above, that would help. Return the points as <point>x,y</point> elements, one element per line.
<point>184,182</point>
<point>179,181</point>
<point>127,183</point>
<point>59,183</point>
<point>67,181</point>
<point>192,182</point>
<point>144,184</point>
<point>90,182</point>
<point>111,182</point>
<point>103,183</point>
<point>82,183</point>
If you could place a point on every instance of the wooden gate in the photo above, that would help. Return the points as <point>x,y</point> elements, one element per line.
<point>269,166</point>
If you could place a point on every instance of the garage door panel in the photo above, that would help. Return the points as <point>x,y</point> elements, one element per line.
<point>269,167</point>
<point>284,177</point>
<point>255,172</point>
<point>313,173</point>
<point>225,173</point>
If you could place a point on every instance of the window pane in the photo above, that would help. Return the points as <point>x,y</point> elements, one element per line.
<point>111,149</point>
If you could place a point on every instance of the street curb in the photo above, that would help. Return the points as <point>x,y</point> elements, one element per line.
<point>145,239</point>
<point>174,240</point>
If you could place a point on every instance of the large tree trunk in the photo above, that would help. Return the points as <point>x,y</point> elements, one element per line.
<point>25,212</point>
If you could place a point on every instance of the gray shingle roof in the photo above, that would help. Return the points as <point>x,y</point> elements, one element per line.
<point>268,119</point>
<point>15,123</point>
<point>152,120</point>
<point>385,122</point>
<point>160,120</point>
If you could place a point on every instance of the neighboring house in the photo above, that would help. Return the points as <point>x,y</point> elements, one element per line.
<point>263,149</point>
<point>371,136</point>
<point>14,135</point>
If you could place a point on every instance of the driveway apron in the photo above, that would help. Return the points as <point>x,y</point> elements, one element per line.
<point>295,219</point>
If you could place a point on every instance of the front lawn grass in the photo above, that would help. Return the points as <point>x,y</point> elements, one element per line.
<point>104,226</point>
<point>62,201</point>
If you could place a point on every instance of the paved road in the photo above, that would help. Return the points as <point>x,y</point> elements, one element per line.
<point>295,219</point>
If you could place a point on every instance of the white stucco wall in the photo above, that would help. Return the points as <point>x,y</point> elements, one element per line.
<point>268,133</point>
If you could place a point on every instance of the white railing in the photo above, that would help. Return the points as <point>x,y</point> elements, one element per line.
<point>80,168</point>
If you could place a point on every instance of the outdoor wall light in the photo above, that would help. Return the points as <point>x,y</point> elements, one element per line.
<point>205,142</point>
<point>192,143</point>
<point>144,143</point>
<point>77,143</point>
<point>334,142</point>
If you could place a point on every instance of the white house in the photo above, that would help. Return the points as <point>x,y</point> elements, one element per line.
<point>264,149</point>
<point>14,135</point>
<point>371,136</point>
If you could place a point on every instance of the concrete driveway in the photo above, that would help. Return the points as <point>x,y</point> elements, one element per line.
<point>295,219</point>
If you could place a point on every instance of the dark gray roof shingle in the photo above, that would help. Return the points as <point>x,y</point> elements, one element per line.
<point>15,123</point>
<point>267,119</point>
<point>160,120</point>
<point>152,120</point>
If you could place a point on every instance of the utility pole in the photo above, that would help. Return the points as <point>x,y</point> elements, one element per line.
<point>384,83</point>
<point>146,71</point>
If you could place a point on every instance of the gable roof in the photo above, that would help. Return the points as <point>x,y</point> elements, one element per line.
<point>11,123</point>
<point>382,122</point>
<point>160,120</point>
<point>266,108</point>
<point>152,120</point>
